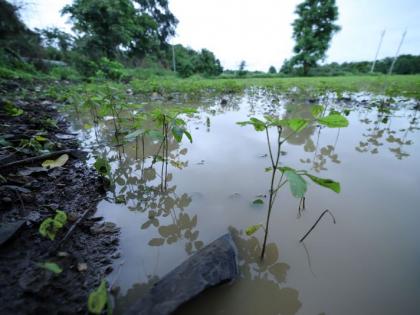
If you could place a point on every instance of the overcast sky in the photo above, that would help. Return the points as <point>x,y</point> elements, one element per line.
<point>259,32</point>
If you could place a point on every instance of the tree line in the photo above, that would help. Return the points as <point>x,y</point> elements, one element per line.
<point>108,35</point>
<point>112,35</point>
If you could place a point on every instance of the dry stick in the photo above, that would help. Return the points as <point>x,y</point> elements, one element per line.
<point>36,158</point>
<point>313,226</point>
<point>70,231</point>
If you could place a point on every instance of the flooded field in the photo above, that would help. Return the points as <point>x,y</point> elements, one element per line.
<point>366,263</point>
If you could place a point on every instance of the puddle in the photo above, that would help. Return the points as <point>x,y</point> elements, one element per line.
<point>367,263</point>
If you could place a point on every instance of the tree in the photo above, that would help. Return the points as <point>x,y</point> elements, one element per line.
<point>272,70</point>
<point>313,31</point>
<point>16,38</point>
<point>53,37</point>
<point>208,64</point>
<point>242,66</point>
<point>189,61</point>
<point>111,27</point>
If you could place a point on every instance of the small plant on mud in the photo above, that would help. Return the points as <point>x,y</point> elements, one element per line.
<point>50,266</point>
<point>50,226</point>
<point>295,178</point>
<point>12,110</point>
<point>98,299</point>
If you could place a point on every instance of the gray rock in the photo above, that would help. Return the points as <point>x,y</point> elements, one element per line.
<point>8,230</point>
<point>214,264</point>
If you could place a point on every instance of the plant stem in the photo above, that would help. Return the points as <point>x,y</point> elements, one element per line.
<point>272,192</point>
<point>137,147</point>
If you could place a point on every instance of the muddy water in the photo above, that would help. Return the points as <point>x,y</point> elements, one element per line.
<point>366,263</point>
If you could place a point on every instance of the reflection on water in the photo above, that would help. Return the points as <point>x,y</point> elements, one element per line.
<point>211,183</point>
<point>382,129</point>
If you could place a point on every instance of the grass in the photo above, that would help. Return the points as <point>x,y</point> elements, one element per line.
<point>145,81</point>
<point>396,85</point>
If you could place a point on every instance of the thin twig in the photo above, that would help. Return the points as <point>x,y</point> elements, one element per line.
<point>313,226</point>
<point>71,229</point>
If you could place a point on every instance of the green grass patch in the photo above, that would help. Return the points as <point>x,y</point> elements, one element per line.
<point>396,85</point>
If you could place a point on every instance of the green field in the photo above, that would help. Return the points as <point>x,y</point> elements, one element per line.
<point>402,85</point>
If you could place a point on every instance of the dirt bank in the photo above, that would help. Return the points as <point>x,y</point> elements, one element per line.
<point>29,194</point>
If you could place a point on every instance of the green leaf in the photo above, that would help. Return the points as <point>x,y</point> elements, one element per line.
<point>12,110</point>
<point>346,112</point>
<point>258,202</point>
<point>133,135</point>
<point>297,124</point>
<point>102,166</point>
<point>48,228</point>
<point>98,299</point>
<point>40,138</point>
<point>156,135</point>
<point>61,217</point>
<point>334,121</point>
<point>252,229</point>
<point>177,132</point>
<point>317,110</point>
<point>325,182</point>
<point>53,267</point>
<point>188,135</point>
<point>274,121</point>
<point>297,184</point>
<point>60,161</point>
<point>286,168</point>
<point>255,122</point>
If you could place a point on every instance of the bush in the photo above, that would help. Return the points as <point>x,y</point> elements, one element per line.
<point>65,73</point>
<point>111,69</point>
<point>84,65</point>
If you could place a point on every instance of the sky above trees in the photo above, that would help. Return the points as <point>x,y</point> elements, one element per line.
<point>260,32</point>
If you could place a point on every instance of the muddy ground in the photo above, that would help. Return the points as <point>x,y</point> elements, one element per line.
<point>29,194</point>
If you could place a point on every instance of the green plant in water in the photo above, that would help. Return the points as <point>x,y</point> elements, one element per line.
<point>169,125</point>
<point>295,178</point>
<point>50,226</point>
<point>138,122</point>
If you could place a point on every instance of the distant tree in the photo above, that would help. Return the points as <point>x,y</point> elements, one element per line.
<point>189,62</point>
<point>207,63</point>
<point>313,31</point>
<point>242,66</point>
<point>286,67</point>
<point>272,70</point>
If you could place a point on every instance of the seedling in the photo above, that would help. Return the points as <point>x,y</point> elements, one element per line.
<point>295,178</point>
<point>50,226</point>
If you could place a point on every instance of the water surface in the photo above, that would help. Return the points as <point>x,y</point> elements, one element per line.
<point>367,263</point>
